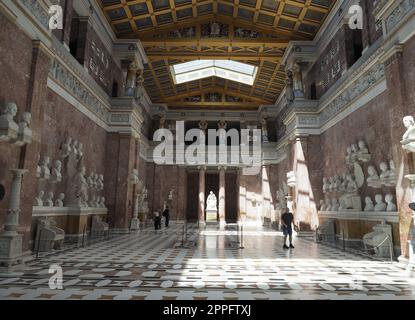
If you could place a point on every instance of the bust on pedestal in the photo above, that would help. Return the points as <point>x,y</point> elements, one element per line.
<point>211,208</point>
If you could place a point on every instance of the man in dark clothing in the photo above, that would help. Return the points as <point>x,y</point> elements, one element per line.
<point>287,219</point>
<point>166,215</point>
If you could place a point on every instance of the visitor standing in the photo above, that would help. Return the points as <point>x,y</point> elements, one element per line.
<point>157,220</point>
<point>287,219</point>
<point>166,215</point>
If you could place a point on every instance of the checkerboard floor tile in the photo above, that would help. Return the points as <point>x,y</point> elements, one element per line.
<point>209,264</point>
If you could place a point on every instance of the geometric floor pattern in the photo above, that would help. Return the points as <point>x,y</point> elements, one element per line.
<point>152,265</point>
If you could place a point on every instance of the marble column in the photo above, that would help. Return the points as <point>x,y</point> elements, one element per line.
<point>411,241</point>
<point>222,170</point>
<point>305,208</point>
<point>266,196</point>
<point>11,244</point>
<point>202,194</point>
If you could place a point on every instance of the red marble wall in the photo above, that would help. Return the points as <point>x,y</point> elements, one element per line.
<point>15,63</point>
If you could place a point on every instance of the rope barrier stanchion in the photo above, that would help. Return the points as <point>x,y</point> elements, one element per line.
<point>38,244</point>
<point>242,238</point>
<point>83,237</point>
<point>344,241</point>
<point>183,236</point>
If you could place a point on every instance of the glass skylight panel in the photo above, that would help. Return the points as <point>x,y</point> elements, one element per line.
<point>227,69</point>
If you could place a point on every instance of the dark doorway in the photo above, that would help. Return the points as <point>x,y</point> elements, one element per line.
<point>212,184</point>
<point>192,196</point>
<point>231,197</point>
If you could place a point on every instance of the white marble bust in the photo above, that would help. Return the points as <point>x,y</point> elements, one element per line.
<point>39,199</point>
<point>66,148</point>
<point>373,178</point>
<point>408,139</point>
<point>355,152</point>
<point>391,207</point>
<point>325,185</point>
<point>390,175</point>
<point>335,204</point>
<point>369,204</point>
<point>332,184</point>
<point>380,205</point>
<point>363,153</point>
<point>211,202</point>
<point>328,204</point>
<point>322,205</point>
<point>59,200</point>
<point>56,171</point>
<point>383,170</point>
<point>49,200</point>
<point>44,168</point>
<point>8,127</point>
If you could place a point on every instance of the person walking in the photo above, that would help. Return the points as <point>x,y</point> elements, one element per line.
<point>157,220</point>
<point>287,219</point>
<point>166,215</point>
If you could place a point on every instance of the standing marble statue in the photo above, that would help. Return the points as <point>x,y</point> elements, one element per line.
<point>211,202</point>
<point>408,139</point>
<point>80,188</point>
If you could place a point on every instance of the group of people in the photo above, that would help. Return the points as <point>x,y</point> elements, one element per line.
<point>158,216</point>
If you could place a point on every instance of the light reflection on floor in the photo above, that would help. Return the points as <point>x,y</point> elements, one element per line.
<point>209,264</point>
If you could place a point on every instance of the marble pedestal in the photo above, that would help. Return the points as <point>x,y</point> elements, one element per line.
<point>135,224</point>
<point>10,249</point>
<point>211,216</point>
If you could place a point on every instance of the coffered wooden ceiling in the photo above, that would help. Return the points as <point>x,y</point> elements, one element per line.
<point>256,32</point>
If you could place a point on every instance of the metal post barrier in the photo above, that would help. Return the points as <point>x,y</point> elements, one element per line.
<point>83,237</point>
<point>242,238</point>
<point>237,232</point>
<point>344,242</point>
<point>390,248</point>
<point>38,244</point>
<point>183,236</point>
<point>185,223</point>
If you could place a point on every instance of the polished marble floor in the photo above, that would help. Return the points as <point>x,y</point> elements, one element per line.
<point>209,264</point>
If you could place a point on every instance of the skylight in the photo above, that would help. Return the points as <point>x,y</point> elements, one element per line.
<point>227,69</point>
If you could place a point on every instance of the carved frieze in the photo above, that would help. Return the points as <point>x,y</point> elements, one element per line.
<point>355,89</point>
<point>398,14</point>
<point>65,78</point>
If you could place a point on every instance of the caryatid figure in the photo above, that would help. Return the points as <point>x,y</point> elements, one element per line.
<point>131,79</point>
<point>297,81</point>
